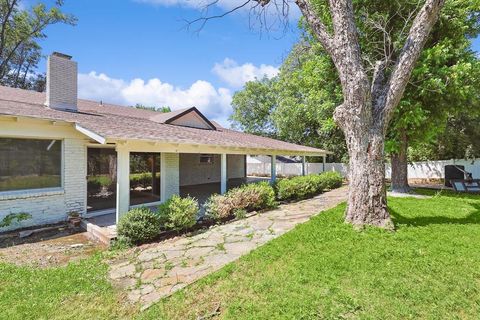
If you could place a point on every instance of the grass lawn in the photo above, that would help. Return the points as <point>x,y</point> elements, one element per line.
<point>428,269</point>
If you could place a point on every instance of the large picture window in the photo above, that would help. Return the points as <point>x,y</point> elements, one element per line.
<point>30,164</point>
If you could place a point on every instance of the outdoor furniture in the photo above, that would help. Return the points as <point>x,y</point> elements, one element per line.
<point>453,172</point>
<point>468,185</point>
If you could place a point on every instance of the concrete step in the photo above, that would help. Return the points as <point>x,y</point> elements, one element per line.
<point>105,235</point>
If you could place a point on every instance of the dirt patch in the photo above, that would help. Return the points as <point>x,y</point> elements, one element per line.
<point>55,247</point>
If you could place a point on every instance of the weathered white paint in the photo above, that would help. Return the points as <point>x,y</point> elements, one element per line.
<point>61,82</point>
<point>273,169</point>
<point>169,175</point>
<point>123,182</point>
<point>304,171</point>
<point>177,147</point>
<point>48,205</point>
<point>223,173</point>
<point>90,134</point>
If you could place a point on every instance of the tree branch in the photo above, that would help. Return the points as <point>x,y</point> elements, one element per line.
<point>347,46</point>
<point>417,37</point>
<point>317,25</point>
<point>204,20</point>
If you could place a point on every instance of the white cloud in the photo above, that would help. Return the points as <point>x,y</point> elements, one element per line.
<point>214,103</point>
<point>236,75</point>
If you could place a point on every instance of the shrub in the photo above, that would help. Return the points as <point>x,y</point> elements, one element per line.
<point>178,213</point>
<point>139,225</point>
<point>240,213</point>
<point>298,188</point>
<point>303,187</point>
<point>11,217</point>
<point>330,180</point>
<point>238,201</point>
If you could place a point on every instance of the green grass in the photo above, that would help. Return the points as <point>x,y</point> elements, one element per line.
<point>428,269</point>
<point>77,291</point>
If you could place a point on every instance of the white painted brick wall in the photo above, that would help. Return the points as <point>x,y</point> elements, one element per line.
<point>193,172</point>
<point>61,83</point>
<point>170,164</point>
<point>52,205</point>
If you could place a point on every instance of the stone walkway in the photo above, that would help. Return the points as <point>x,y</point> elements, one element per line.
<point>154,271</point>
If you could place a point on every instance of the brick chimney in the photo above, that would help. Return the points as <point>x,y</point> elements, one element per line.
<point>61,82</point>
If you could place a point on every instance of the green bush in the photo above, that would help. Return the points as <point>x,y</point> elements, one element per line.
<point>330,180</point>
<point>178,213</point>
<point>139,225</point>
<point>237,201</point>
<point>298,188</point>
<point>303,187</point>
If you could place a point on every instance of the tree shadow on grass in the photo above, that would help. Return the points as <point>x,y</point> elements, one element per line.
<point>421,221</point>
<point>447,193</point>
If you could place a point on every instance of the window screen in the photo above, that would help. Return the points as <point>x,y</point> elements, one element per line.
<point>30,164</point>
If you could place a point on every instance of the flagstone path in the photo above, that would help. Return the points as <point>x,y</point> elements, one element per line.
<point>153,271</point>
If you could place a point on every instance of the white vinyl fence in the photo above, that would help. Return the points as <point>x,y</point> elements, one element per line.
<point>293,169</point>
<point>435,169</point>
<point>416,170</point>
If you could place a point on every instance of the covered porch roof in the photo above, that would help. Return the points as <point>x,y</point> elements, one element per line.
<point>186,130</point>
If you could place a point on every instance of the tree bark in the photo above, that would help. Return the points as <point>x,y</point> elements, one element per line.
<point>367,201</point>
<point>400,166</point>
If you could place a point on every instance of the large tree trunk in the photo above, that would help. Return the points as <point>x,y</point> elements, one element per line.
<point>400,166</point>
<point>367,201</point>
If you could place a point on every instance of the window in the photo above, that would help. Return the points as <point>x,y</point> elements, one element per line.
<point>206,158</point>
<point>101,178</point>
<point>144,177</point>
<point>30,164</point>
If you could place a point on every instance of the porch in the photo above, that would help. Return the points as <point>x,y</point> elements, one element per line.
<point>103,227</point>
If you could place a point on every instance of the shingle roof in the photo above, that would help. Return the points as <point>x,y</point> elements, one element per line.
<point>114,122</point>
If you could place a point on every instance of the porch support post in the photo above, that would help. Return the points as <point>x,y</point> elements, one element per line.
<point>169,175</point>
<point>223,173</point>
<point>304,171</point>
<point>273,169</point>
<point>324,160</point>
<point>123,182</point>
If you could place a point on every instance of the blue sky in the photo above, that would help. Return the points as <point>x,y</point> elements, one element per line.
<point>137,51</point>
<point>120,43</point>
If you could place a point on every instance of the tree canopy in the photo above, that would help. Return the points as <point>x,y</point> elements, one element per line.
<point>441,96</point>
<point>20,30</point>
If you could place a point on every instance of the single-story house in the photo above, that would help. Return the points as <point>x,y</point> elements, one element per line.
<point>60,154</point>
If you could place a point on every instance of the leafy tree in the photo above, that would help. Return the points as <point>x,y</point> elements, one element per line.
<point>163,109</point>
<point>297,105</point>
<point>252,107</point>
<point>308,92</point>
<point>444,82</point>
<point>20,29</point>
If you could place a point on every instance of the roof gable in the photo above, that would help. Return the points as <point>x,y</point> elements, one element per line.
<point>185,118</point>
